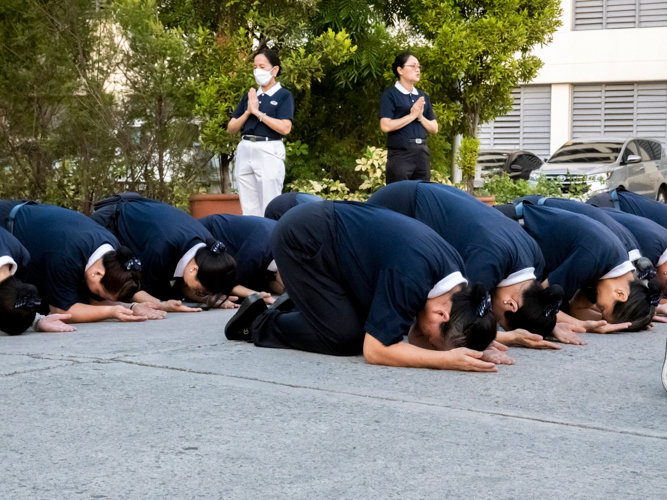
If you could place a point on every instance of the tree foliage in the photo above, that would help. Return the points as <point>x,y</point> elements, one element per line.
<point>97,97</point>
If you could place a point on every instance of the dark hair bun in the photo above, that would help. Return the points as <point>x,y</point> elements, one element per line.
<point>123,254</point>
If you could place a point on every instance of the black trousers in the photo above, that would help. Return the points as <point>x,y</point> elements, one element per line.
<point>412,164</point>
<point>325,319</point>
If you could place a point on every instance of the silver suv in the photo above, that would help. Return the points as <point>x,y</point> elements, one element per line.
<point>638,164</point>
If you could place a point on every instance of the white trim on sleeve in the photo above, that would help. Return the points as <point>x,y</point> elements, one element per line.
<point>99,253</point>
<point>13,267</point>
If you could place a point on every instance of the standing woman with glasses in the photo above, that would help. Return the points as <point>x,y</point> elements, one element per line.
<point>406,116</point>
<point>263,117</point>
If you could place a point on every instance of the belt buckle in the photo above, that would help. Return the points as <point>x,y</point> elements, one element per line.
<point>418,141</point>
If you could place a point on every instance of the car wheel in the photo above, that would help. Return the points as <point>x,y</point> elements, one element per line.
<point>662,194</point>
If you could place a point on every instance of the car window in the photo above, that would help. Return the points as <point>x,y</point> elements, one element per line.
<point>644,148</point>
<point>654,150</point>
<point>491,161</point>
<point>587,152</point>
<point>630,149</point>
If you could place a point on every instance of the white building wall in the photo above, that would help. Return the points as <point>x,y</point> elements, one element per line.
<point>596,56</point>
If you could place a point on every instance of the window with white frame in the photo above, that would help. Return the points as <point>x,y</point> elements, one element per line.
<point>527,126</point>
<point>614,14</point>
<point>620,110</point>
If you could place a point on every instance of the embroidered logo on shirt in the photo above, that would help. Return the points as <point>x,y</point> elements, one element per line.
<point>274,103</point>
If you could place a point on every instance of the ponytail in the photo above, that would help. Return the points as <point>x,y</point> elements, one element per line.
<point>122,273</point>
<point>538,311</point>
<point>471,323</point>
<point>639,309</point>
<point>217,269</point>
<point>18,306</point>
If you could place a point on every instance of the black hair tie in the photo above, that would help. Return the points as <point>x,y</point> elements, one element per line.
<point>217,247</point>
<point>553,309</point>
<point>29,301</point>
<point>484,306</point>
<point>133,264</point>
<point>654,299</point>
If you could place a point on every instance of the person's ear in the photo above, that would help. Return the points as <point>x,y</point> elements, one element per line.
<point>514,307</point>
<point>621,294</point>
<point>193,269</point>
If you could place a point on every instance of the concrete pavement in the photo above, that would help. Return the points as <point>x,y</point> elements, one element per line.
<point>171,409</point>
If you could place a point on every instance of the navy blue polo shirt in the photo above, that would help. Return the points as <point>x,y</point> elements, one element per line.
<point>11,248</point>
<point>637,204</point>
<point>248,240</point>
<point>159,235</point>
<point>279,206</point>
<point>495,249</point>
<point>280,105</point>
<point>394,105</point>
<point>60,243</point>
<point>390,263</point>
<point>622,233</point>
<point>578,251</point>
<point>652,237</point>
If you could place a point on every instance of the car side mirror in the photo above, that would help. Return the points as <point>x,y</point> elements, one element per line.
<point>633,159</point>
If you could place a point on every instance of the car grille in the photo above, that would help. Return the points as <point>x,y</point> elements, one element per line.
<point>566,181</point>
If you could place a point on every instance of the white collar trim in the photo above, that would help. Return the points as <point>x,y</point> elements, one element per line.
<point>405,91</point>
<point>634,255</point>
<point>272,267</point>
<point>519,276</point>
<point>446,284</point>
<point>98,254</point>
<point>619,270</point>
<point>13,267</point>
<point>271,91</point>
<point>663,258</point>
<point>189,255</point>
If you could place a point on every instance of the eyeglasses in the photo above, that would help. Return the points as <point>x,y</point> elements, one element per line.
<point>413,66</point>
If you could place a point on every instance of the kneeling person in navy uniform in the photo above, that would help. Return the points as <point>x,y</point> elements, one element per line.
<point>361,278</point>
<point>497,253</point>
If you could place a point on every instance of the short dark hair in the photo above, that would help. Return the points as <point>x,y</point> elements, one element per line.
<point>16,320</point>
<point>638,309</point>
<point>466,327</point>
<point>118,279</point>
<point>400,61</point>
<point>538,311</point>
<point>272,56</point>
<point>217,269</point>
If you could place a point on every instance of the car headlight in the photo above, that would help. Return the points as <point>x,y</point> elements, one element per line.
<point>534,176</point>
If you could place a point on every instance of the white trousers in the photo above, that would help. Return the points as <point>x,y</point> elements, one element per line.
<point>260,172</point>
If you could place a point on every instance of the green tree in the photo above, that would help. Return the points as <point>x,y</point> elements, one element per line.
<point>478,51</point>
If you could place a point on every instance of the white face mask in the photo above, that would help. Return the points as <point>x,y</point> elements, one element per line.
<point>262,77</point>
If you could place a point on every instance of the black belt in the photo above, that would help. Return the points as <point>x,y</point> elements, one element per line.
<point>257,138</point>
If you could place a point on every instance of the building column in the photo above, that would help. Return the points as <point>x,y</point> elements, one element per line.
<point>561,115</point>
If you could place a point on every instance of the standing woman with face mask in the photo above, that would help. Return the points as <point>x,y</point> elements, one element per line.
<point>406,116</point>
<point>263,117</point>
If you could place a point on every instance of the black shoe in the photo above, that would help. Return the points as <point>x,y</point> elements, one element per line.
<point>283,303</point>
<point>238,327</point>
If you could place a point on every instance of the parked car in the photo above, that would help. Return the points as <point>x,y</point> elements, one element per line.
<point>517,163</point>
<point>638,164</point>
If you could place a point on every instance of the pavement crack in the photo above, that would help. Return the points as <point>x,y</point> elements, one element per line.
<point>21,372</point>
<point>406,401</point>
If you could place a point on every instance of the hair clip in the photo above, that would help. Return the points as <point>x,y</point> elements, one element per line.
<point>484,306</point>
<point>217,247</point>
<point>646,274</point>
<point>654,299</point>
<point>552,309</point>
<point>30,302</point>
<point>133,264</point>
